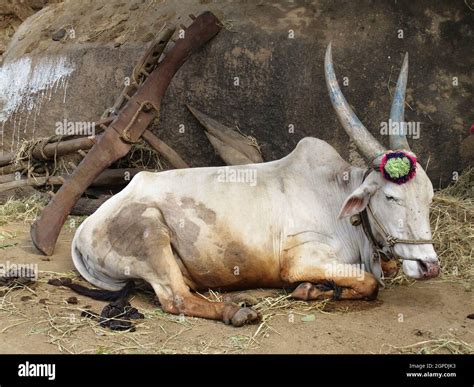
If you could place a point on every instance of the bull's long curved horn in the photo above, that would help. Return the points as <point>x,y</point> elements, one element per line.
<point>364,141</point>
<point>397,112</point>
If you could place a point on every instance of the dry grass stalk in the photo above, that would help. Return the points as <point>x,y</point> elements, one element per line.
<point>444,345</point>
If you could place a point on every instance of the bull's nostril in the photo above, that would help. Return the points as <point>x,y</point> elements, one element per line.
<point>428,269</point>
<point>423,266</point>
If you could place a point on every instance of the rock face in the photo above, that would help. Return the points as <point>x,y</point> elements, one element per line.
<point>13,13</point>
<point>263,72</point>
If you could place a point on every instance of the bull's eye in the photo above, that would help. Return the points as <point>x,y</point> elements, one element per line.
<point>390,198</point>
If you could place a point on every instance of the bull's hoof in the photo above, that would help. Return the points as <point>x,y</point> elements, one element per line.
<point>245,316</point>
<point>307,291</point>
<point>389,268</point>
<point>240,316</point>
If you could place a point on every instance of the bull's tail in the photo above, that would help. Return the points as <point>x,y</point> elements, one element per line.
<point>100,294</point>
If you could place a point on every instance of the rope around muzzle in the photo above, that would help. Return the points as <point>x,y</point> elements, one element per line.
<point>391,240</point>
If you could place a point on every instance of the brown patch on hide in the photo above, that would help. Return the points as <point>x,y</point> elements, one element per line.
<point>202,212</point>
<point>99,234</point>
<point>130,233</point>
<point>234,253</point>
<point>281,185</point>
<point>236,266</point>
<point>184,232</point>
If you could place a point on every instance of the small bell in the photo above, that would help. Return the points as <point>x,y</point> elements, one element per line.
<point>355,220</point>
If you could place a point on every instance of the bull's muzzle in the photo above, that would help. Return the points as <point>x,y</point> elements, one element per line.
<point>429,269</point>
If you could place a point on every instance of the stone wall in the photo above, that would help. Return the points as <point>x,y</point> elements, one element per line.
<point>69,60</point>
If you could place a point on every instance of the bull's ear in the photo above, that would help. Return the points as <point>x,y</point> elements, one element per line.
<point>357,200</point>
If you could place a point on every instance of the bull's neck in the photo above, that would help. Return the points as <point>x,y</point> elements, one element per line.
<point>358,248</point>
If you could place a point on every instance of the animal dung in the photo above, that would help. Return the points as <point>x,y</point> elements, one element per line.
<point>18,276</point>
<point>89,314</point>
<point>116,316</point>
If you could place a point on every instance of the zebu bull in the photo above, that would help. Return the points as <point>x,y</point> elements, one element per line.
<point>293,222</point>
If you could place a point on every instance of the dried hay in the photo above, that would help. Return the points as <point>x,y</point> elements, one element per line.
<point>447,344</point>
<point>25,210</point>
<point>142,155</point>
<point>463,187</point>
<point>278,303</point>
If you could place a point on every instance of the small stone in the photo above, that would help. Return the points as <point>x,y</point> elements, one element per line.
<point>148,37</point>
<point>72,300</point>
<point>133,7</point>
<point>25,298</point>
<point>58,35</point>
<point>43,301</point>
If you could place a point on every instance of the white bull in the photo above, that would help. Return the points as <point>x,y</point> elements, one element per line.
<point>284,223</point>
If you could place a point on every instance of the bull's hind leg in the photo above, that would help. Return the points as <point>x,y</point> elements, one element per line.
<point>322,279</point>
<point>166,278</point>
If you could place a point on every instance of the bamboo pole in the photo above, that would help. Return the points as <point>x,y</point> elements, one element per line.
<point>165,150</point>
<point>109,177</point>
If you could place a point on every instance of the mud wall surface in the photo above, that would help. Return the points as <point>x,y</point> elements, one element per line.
<point>263,72</point>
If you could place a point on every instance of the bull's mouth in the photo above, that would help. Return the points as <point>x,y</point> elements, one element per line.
<point>421,269</point>
<point>425,269</point>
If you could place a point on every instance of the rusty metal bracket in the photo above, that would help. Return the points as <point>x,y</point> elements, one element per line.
<point>145,106</point>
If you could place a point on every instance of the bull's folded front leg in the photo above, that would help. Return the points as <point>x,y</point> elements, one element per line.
<point>321,276</point>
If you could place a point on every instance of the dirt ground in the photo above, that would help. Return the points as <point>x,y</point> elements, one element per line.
<point>425,317</point>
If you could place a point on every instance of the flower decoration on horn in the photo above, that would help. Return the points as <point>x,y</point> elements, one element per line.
<point>398,167</point>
